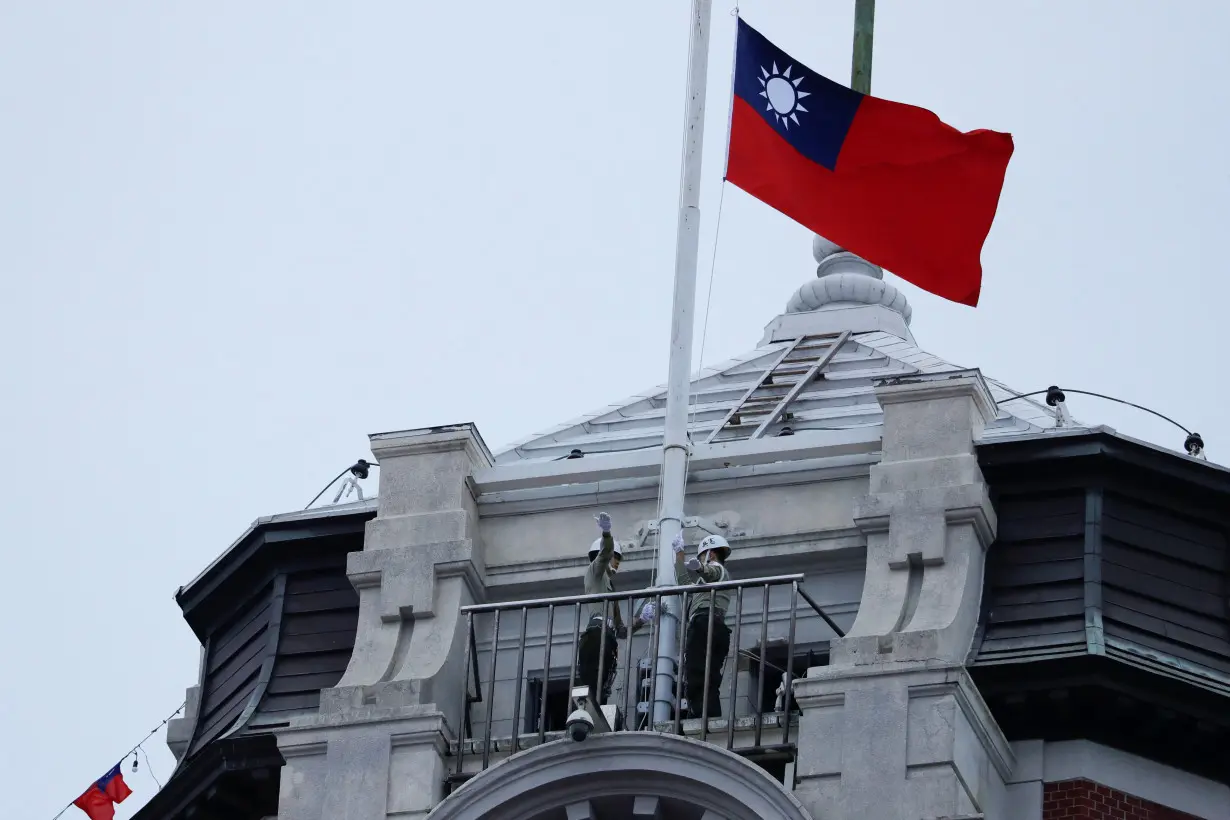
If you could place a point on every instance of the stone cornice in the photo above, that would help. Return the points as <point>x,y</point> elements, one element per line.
<point>409,725</point>
<point>648,462</point>
<point>826,686</point>
<point>700,482</point>
<point>839,549</point>
<point>962,504</point>
<point>949,384</point>
<point>443,439</point>
<point>958,683</point>
<point>447,559</point>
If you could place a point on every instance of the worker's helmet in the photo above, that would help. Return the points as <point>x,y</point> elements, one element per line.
<point>713,542</point>
<point>597,545</point>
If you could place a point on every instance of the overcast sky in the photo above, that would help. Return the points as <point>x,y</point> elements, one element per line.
<point>237,237</point>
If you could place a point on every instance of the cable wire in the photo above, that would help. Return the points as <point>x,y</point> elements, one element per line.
<point>149,768</point>
<point>325,489</point>
<point>361,463</point>
<point>717,235</point>
<point>133,750</point>
<point>1098,396</point>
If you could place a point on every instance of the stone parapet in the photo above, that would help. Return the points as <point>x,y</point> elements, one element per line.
<point>898,744</point>
<point>363,763</point>
<point>377,745</point>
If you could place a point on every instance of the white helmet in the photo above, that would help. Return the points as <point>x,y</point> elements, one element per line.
<point>713,542</point>
<point>597,545</point>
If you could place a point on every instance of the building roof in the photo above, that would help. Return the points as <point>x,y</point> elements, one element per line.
<point>365,507</point>
<point>848,305</point>
<point>843,399</point>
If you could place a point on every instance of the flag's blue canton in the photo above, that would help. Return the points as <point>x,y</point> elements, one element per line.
<point>102,782</point>
<point>830,108</point>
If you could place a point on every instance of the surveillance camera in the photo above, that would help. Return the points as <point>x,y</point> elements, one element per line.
<point>580,724</point>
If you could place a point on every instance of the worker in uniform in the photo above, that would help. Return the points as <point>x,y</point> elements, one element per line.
<point>605,555</point>
<point>707,567</point>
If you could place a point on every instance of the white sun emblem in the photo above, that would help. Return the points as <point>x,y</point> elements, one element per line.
<point>782,94</point>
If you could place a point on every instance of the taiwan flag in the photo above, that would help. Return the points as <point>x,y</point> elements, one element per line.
<point>886,181</point>
<point>99,800</point>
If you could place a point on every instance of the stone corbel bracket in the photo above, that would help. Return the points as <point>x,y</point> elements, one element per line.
<point>421,563</point>
<point>409,610</point>
<point>928,520</point>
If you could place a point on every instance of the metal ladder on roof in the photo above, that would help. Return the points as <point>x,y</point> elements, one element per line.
<point>767,401</point>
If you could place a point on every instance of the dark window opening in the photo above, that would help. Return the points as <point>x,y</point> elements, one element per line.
<point>775,768</point>
<point>557,704</point>
<point>775,670</point>
<point>775,763</point>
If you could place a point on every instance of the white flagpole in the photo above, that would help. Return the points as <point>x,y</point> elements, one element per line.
<point>675,437</point>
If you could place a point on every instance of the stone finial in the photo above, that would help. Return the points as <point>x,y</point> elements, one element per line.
<point>832,258</point>
<point>848,293</point>
<point>843,278</point>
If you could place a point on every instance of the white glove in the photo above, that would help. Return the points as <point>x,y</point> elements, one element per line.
<point>677,543</point>
<point>693,564</point>
<point>604,522</point>
<point>648,612</point>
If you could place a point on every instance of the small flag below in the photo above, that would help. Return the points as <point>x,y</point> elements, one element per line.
<point>889,182</point>
<point>99,800</point>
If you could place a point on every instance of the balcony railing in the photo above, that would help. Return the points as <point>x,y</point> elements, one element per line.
<point>542,638</point>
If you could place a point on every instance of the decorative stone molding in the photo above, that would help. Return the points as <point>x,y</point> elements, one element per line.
<point>366,761</point>
<point>848,293</point>
<point>899,744</point>
<point>531,783</point>
<point>409,610</point>
<point>928,521</point>
<point>426,485</point>
<point>377,745</point>
<point>837,287</point>
<point>419,565</point>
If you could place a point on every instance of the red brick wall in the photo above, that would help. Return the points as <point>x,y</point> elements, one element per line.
<point>1086,800</point>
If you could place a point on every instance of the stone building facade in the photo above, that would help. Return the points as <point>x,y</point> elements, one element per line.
<point>981,608</point>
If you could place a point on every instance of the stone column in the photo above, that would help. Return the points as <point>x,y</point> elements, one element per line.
<point>377,746</point>
<point>894,728</point>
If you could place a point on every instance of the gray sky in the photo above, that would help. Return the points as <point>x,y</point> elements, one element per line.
<point>235,238</point>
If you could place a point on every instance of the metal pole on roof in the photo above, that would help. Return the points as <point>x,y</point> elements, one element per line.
<point>860,62</point>
<point>860,59</point>
<point>675,436</point>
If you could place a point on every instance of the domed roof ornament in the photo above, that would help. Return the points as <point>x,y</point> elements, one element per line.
<point>846,279</point>
<point>848,293</point>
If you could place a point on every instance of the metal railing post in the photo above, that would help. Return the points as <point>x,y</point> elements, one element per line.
<point>465,693</point>
<point>600,683</point>
<point>787,695</point>
<point>653,666</point>
<point>576,650</point>
<point>627,663</point>
<point>546,677</point>
<point>820,611</point>
<point>679,678</point>
<point>764,640</point>
<point>704,700</point>
<point>516,721</point>
<point>734,678</point>
<point>495,652</point>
